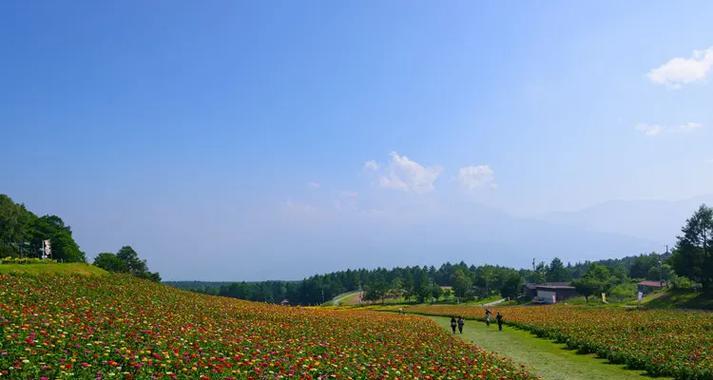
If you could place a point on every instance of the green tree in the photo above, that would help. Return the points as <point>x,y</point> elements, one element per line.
<point>538,274</point>
<point>110,262</point>
<point>131,258</point>
<point>14,220</point>
<point>461,283</point>
<point>511,284</point>
<point>662,272</point>
<point>126,260</point>
<point>556,272</point>
<point>52,228</point>
<point>422,286</point>
<point>436,291</point>
<point>642,265</point>
<point>693,256</point>
<point>596,279</point>
<point>376,291</point>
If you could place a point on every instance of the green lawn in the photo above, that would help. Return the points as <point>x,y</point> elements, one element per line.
<point>38,269</point>
<point>545,358</point>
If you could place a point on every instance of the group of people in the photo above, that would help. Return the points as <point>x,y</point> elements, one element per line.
<point>459,322</point>
<point>498,319</point>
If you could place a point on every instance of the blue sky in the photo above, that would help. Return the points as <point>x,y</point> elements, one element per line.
<point>253,140</point>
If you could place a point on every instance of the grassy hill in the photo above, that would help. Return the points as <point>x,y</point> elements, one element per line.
<point>679,299</point>
<point>345,299</point>
<point>77,326</point>
<point>53,268</point>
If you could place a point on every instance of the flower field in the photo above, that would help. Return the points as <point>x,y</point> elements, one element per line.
<point>113,326</point>
<point>662,342</point>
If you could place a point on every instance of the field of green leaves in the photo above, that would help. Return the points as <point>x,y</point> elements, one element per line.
<point>663,342</point>
<point>99,327</point>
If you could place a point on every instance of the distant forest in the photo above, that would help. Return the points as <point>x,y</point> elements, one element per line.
<point>426,283</point>
<point>689,264</point>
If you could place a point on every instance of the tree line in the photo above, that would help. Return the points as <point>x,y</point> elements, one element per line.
<point>22,234</point>
<point>420,284</point>
<point>690,262</point>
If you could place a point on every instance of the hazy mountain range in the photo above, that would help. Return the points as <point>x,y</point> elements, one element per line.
<point>655,221</point>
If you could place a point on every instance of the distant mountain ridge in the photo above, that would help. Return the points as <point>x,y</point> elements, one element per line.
<point>654,220</point>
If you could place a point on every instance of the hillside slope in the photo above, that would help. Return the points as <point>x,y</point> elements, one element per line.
<point>55,268</point>
<point>71,326</point>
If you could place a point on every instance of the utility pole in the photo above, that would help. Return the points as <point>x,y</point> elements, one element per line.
<point>661,268</point>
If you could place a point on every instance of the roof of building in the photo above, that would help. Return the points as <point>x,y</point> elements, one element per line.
<point>565,285</point>
<point>653,284</point>
<point>555,286</point>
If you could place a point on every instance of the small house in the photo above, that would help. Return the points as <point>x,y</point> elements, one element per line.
<point>529,290</point>
<point>553,292</point>
<point>649,286</point>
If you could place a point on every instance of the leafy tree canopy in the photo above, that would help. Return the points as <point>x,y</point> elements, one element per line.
<point>693,256</point>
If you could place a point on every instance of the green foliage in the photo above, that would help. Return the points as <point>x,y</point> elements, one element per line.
<point>110,262</point>
<point>436,291</point>
<point>461,283</point>
<point>131,259</point>
<point>22,233</point>
<point>511,284</point>
<point>556,272</point>
<point>596,280</point>
<point>623,292</point>
<point>680,298</point>
<point>14,219</point>
<point>643,265</point>
<point>376,291</point>
<point>126,261</point>
<point>26,260</point>
<point>681,282</point>
<point>693,256</point>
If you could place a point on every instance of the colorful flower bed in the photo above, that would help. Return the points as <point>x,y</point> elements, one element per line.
<point>116,326</point>
<point>662,342</point>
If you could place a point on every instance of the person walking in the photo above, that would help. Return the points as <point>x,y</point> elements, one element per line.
<point>453,324</point>
<point>487,317</point>
<point>461,322</point>
<point>499,318</point>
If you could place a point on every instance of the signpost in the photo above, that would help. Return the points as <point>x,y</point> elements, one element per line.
<point>46,249</point>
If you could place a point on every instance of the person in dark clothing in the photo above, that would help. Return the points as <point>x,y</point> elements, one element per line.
<point>453,324</point>
<point>461,322</point>
<point>488,315</point>
<point>499,318</point>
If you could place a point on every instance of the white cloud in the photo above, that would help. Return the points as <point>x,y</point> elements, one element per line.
<point>349,194</point>
<point>690,126</point>
<point>404,174</point>
<point>653,130</point>
<point>371,165</point>
<point>476,176</point>
<point>649,129</point>
<point>314,185</point>
<point>679,71</point>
